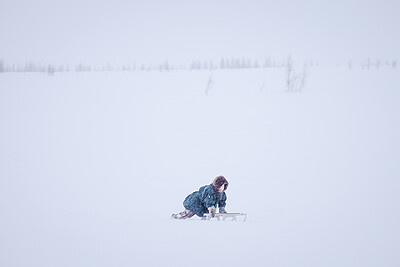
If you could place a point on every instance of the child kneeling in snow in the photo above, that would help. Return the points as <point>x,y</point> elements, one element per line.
<point>205,200</point>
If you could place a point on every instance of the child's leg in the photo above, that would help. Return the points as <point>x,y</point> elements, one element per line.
<point>186,214</point>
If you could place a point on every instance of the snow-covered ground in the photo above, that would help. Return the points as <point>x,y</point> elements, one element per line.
<point>93,164</point>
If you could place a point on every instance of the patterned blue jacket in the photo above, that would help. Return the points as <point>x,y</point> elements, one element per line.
<point>200,201</point>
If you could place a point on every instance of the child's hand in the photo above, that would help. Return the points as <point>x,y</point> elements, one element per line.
<point>211,210</point>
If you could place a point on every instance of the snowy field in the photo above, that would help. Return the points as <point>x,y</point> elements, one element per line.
<point>92,165</point>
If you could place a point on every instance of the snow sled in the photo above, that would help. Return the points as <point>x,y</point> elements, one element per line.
<point>231,216</point>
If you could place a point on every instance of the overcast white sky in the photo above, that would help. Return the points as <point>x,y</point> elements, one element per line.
<point>149,31</point>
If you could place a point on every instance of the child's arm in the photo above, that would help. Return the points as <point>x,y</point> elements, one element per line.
<point>222,203</point>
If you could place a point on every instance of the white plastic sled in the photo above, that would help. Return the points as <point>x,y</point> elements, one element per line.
<point>232,216</point>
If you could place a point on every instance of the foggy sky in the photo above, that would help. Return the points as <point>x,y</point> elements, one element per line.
<point>149,31</point>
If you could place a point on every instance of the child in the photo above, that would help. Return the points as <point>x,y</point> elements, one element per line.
<point>205,200</point>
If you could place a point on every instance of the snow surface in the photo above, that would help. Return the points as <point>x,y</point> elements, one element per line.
<point>93,164</point>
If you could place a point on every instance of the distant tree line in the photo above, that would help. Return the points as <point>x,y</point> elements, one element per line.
<point>223,64</point>
<point>369,63</point>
